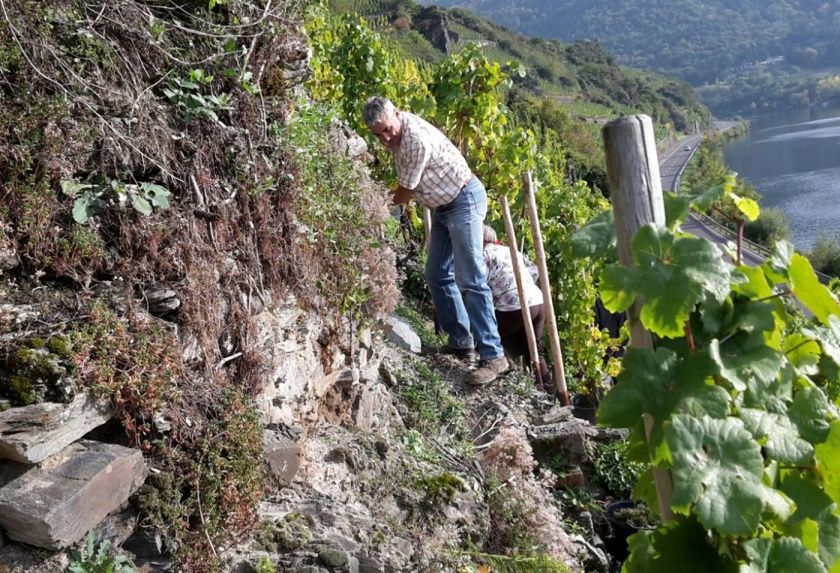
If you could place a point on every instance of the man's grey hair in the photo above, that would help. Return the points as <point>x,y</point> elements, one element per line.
<point>489,235</point>
<point>377,108</point>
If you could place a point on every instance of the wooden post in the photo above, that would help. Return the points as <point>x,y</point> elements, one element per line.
<point>427,227</point>
<point>636,192</point>
<point>545,286</point>
<point>523,299</point>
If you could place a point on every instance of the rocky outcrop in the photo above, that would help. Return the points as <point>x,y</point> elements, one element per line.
<point>30,434</point>
<point>432,23</point>
<point>54,504</point>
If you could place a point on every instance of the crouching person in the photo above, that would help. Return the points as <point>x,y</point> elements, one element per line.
<point>508,308</point>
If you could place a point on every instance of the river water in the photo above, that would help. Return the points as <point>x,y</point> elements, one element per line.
<point>793,159</point>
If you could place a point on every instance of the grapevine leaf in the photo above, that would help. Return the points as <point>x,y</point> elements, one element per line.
<point>681,541</point>
<point>756,285</point>
<point>677,208</point>
<point>779,435</point>
<point>812,413</point>
<point>789,555</point>
<point>771,395</point>
<point>745,357</point>
<point>645,490</point>
<point>829,338</point>
<point>748,207</point>
<point>661,383</point>
<point>807,288</point>
<point>642,553</point>
<point>717,468</point>
<point>803,353</point>
<point>828,462</point>
<point>811,501</point>
<point>617,290</point>
<point>758,552</point>
<point>776,267</point>
<point>672,275</point>
<point>704,201</point>
<point>829,538</point>
<point>596,238</point>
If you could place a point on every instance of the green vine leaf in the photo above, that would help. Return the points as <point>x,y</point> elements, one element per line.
<point>745,357</point>
<point>596,238</point>
<point>748,207</point>
<point>682,541</point>
<point>671,274</point>
<point>661,383</point>
<point>772,395</point>
<point>807,288</point>
<point>755,286</point>
<point>779,435</point>
<point>829,338</point>
<point>803,353</point>
<point>812,413</point>
<point>789,555</point>
<point>828,462</point>
<point>777,265</point>
<point>810,499</point>
<point>717,471</point>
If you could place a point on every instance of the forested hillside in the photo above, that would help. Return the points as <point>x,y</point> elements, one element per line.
<point>700,42</point>
<point>583,76</point>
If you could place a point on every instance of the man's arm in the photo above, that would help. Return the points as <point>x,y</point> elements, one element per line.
<point>401,196</point>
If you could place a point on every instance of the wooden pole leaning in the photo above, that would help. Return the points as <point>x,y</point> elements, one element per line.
<point>520,287</point>
<point>545,286</point>
<point>636,192</point>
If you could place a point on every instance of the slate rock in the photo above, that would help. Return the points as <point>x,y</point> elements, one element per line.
<point>56,503</point>
<point>30,434</point>
<point>400,333</point>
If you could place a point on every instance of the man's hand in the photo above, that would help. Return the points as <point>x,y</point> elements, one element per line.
<point>401,196</point>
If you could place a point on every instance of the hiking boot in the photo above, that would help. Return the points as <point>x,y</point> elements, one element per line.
<point>488,370</point>
<point>465,354</point>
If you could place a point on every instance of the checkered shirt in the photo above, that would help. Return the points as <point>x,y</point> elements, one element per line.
<point>428,163</point>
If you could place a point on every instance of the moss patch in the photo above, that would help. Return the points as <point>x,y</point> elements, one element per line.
<point>36,370</point>
<point>283,536</point>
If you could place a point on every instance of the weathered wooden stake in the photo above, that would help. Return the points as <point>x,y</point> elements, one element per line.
<point>545,286</point>
<point>520,287</point>
<point>427,227</point>
<point>636,191</point>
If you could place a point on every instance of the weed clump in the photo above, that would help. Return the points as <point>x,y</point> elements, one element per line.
<point>524,521</point>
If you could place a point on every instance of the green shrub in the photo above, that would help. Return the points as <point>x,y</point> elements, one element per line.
<point>825,256</point>
<point>614,470</point>
<point>770,227</point>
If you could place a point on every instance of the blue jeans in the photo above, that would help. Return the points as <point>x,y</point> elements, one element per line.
<point>455,273</point>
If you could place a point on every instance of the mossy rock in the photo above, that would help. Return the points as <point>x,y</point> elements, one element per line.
<point>39,370</point>
<point>330,556</point>
<point>284,536</point>
<point>441,489</point>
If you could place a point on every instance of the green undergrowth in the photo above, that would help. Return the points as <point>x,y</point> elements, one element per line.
<point>421,325</point>
<point>429,404</point>
<point>343,213</point>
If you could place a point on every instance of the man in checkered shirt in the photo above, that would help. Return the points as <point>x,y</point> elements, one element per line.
<point>432,171</point>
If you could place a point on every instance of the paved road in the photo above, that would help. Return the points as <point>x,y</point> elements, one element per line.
<point>671,167</point>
